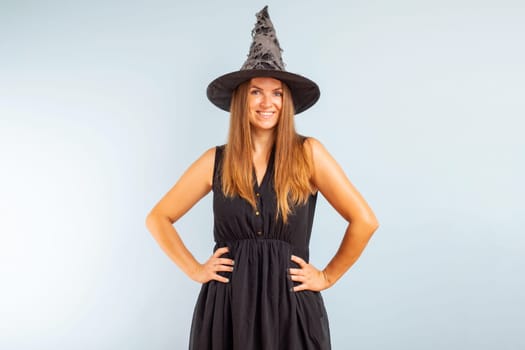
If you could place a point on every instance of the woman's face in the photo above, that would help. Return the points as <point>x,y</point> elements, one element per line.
<point>265,99</point>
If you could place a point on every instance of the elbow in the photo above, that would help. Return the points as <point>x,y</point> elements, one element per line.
<point>153,219</point>
<point>369,219</point>
<point>371,222</point>
<point>150,221</point>
<point>369,225</point>
<point>156,226</point>
<point>368,228</point>
<point>373,226</point>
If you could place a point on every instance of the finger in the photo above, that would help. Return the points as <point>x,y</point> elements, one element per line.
<point>298,260</point>
<point>223,268</point>
<point>219,278</point>
<point>224,261</point>
<point>220,251</point>
<point>297,278</point>
<point>299,288</point>
<point>296,272</point>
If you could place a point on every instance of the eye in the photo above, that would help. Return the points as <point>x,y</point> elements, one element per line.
<point>278,94</point>
<point>255,92</point>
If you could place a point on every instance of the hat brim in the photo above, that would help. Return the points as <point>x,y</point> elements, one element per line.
<point>305,92</point>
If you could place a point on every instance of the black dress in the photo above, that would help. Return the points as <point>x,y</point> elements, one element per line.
<point>257,309</point>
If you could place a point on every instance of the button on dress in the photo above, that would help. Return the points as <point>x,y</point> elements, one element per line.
<point>257,309</point>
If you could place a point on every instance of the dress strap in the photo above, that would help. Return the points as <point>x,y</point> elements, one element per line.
<point>219,152</point>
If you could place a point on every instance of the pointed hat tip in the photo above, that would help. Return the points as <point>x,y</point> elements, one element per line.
<point>264,11</point>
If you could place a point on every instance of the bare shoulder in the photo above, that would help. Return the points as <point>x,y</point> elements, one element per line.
<point>208,158</point>
<point>194,184</point>
<point>316,150</point>
<point>209,154</point>
<point>329,177</point>
<point>203,166</point>
<point>312,143</point>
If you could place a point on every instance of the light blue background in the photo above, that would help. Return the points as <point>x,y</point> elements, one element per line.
<point>103,106</point>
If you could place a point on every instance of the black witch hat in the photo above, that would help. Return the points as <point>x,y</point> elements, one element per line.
<point>264,60</point>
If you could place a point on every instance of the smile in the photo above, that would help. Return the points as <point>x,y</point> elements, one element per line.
<point>266,114</point>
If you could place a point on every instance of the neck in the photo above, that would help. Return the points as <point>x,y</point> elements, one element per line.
<point>262,141</point>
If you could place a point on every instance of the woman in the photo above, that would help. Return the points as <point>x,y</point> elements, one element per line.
<point>259,291</point>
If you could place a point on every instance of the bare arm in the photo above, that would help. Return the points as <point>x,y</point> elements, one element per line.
<point>193,185</point>
<point>331,181</point>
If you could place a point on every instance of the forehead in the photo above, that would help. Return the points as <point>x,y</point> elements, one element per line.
<point>266,83</point>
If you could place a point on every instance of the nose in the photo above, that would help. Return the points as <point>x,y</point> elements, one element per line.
<point>266,101</point>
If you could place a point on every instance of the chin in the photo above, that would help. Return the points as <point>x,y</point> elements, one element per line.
<point>264,127</point>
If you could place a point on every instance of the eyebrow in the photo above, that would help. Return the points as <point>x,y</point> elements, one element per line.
<point>256,87</point>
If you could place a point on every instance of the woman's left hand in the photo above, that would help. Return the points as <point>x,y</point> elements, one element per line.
<point>310,277</point>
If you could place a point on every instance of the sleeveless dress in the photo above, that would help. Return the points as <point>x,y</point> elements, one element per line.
<point>257,309</point>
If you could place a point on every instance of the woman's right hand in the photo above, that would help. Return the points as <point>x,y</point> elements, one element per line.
<point>208,271</point>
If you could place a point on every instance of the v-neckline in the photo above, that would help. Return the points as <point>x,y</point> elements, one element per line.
<point>266,171</point>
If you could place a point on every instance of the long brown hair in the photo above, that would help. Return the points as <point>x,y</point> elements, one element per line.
<point>293,167</point>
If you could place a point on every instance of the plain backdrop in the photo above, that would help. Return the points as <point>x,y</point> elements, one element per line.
<point>103,106</point>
